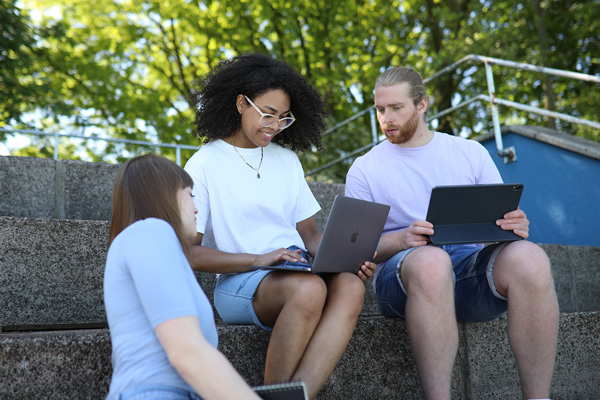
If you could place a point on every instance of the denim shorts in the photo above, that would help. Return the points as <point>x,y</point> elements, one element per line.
<point>475,295</point>
<point>158,392</point>
<point>234,294</point>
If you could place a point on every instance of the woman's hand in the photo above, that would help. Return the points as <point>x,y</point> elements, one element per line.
<point>279,256</point>
<point>366,270</point>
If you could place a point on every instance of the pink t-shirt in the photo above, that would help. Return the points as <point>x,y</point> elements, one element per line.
<point>403,177</point>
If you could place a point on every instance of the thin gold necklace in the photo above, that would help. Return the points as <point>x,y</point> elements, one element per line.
<point>242,157</point>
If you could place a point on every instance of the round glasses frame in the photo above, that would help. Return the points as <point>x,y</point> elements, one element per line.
<point>282,123</point>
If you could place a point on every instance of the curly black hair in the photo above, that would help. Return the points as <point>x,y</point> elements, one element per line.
<point>253,75</point>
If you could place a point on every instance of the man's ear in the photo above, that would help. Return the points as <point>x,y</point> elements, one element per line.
<point>423,104</point>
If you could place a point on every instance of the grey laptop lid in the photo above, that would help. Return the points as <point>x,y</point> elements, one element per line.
<point>468,214</point>
<point>349,239</point>
<point>351,235</point>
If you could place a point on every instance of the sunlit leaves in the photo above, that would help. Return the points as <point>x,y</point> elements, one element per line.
<point>126,68</point>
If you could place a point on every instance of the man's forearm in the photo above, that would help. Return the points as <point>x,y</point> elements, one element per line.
<point>389,245</point>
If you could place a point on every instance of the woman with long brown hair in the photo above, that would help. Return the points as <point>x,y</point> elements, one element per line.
<point>161,323</point>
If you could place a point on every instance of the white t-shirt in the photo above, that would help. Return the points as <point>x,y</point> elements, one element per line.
<point>147,281</point>
<point>240,213</point>
<point>403,177</point>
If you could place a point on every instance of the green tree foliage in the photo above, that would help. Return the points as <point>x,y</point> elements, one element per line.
<point>126,68</point>
<point>16,46</point>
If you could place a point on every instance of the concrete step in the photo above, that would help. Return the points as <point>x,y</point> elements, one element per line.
<point>65,189</point>
<point>377,364</point>
<point>51,274</point>
<point>76,190</point>
<point>53,239</point>
<point>45,188</point>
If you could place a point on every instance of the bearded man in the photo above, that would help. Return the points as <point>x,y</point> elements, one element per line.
<point>432,287</point>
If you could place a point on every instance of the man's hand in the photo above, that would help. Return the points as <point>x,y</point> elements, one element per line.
<point>417,234</point>
<point>515,221</point>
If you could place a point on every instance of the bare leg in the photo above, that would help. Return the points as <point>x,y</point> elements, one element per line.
<point>522,274</point>
<point>291,302</point>
<point>327,346</point>
<point>430,318</point>
<point>313,322</point>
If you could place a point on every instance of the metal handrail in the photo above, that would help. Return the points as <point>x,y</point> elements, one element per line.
<point>177,146</point>
<point>516,65</point>
<point>509,154</point>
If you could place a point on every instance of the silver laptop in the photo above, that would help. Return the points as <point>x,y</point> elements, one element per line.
<point>350,237</point>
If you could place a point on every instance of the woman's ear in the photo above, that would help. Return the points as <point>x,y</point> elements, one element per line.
<point>239,102</point>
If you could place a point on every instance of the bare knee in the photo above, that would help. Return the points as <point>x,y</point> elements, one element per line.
<point>346,291</point>
<point>524,264</point>
<point>427,269</point>
<point>298,295</point>
<point>306,295</point>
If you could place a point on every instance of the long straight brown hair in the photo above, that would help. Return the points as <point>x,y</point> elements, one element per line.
<point>146,187</point>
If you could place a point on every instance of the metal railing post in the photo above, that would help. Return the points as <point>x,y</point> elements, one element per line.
<point>178,155</point>
<point>56,143</point>
<point>373,125</point>
<point>508,154</point>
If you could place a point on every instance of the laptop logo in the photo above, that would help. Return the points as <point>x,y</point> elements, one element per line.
<point>353,237</point>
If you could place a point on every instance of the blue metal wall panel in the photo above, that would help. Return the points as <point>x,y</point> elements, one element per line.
<point>562,190</point>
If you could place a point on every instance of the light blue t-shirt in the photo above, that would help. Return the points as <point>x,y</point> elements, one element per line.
<point>147,281</point>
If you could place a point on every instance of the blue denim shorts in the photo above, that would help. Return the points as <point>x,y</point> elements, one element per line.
<point>158,392</point>
<point>475,296</point>
<point>234,294</point>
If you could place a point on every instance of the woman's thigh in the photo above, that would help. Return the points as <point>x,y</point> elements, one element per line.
<point>301,292</point>
<point>234,296</point>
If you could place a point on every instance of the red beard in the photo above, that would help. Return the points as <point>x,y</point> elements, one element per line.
<point>405,132</point>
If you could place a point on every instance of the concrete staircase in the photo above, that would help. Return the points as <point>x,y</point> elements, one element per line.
<point>54,342</point>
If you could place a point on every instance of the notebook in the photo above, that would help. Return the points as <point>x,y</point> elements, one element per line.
<point>282,391</point>
<point>349,239</point>
<point>468,214</point>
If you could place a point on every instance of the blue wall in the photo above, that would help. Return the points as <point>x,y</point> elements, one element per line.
<point>562,190</point>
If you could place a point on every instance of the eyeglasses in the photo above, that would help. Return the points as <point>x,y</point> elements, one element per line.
<point>268,120</point>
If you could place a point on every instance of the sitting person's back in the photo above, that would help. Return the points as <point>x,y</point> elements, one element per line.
<point>161,323</point>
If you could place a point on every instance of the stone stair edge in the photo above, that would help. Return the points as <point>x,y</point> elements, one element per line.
<point>40,281</point>
<point>68,221</point>
<point>484,367</point>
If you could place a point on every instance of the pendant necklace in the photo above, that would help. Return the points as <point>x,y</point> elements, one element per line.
<point>243,159</point>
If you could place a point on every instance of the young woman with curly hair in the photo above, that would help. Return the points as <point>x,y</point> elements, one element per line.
<point>255,209</point>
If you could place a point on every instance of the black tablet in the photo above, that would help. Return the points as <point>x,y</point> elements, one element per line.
<point>468,213</point>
